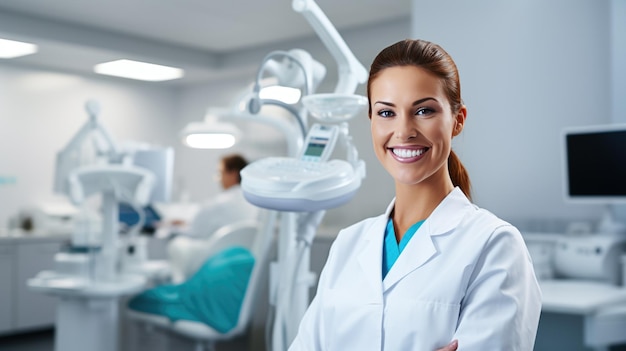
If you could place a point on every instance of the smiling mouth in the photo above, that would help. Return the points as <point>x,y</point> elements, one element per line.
<point>408,153</point>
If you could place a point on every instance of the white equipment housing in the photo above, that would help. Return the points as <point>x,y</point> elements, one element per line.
<point>590,257</point>
<point>131,182</point>
<point>89,285</point>
<point>287,184</point>
<point>303,188</point>
<point>308,183</point>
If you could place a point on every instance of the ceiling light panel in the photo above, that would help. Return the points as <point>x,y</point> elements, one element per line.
<point>139,70</point>
<point>12,49</point>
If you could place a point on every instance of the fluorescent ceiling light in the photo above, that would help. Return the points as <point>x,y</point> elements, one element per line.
<point>13,49</point>
<point>287,95</point>
<point>138,70</point>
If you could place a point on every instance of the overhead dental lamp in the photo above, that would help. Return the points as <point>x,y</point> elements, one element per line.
<point>343,104</point>
<point>287,95</point>
<point>296,69</point>
<point>293,74</point>
<point>334,108</point>
<point>218,131</point>
<point>210,134</point>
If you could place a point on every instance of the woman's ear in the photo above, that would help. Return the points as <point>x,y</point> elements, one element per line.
<point>459,121</point>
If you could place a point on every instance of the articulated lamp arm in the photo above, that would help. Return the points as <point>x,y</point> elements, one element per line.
<point>351,71</point>
<point>68,157</point>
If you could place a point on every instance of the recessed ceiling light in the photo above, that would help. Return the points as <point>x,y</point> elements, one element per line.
<point>12,48</point>
<point>138,70</point>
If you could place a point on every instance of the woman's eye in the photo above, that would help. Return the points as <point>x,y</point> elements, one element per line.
<point>424,111</point>
<point>385,113</point>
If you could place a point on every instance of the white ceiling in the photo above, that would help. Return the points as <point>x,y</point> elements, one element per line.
<point>198,35</point>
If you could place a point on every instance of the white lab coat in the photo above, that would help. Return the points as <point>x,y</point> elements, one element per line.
<point>228,207</point>
<point>464,275</point>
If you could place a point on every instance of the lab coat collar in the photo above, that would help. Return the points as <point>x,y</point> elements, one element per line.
<point>421,248</point>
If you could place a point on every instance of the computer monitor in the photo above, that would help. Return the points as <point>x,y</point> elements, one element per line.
<point>129,217</point>
<point>595,164</point>
<point>160,161</point>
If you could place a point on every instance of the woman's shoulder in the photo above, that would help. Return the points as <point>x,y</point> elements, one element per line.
<point>489,223</point>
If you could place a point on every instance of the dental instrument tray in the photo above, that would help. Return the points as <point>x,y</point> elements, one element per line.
<point>289,184</point>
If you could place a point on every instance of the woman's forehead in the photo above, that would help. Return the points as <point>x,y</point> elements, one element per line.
<point>405,80</point>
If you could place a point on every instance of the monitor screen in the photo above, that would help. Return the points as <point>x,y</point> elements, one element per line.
<point>316,147</point>
<point>161,163</point>
<point>129,217</point>
<point>595,164</point>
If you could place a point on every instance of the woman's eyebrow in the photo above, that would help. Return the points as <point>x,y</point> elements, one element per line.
<point>385,103</point>
<point>416,102</point>
<point>420,101</point>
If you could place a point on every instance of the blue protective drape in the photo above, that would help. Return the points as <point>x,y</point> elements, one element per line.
<point>213,295</point>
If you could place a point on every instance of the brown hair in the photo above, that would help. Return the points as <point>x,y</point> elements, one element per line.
<point>234,162</point>
<point>434,59</point>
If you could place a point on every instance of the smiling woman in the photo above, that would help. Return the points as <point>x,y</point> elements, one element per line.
<point>435,271</point>
<point>411,122</point>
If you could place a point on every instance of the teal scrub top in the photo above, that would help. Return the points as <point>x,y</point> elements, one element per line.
<point>391,248</point>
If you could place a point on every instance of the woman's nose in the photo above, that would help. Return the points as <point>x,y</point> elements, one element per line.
<point>405,128</point>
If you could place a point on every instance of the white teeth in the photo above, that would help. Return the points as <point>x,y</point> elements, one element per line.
<point>406,153</point>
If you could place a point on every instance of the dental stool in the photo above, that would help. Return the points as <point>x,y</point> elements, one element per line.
<point>234,242</point>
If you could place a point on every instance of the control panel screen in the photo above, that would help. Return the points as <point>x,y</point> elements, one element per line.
<point>316,147</point>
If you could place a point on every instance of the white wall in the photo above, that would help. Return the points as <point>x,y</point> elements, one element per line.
<point>39,113</point>
<point>618,60</point>
<point>528,69</point>
<point>618,75</point>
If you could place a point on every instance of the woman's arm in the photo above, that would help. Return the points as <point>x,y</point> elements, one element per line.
<point>502,304</point>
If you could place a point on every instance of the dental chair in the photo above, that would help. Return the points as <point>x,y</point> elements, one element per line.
<point>186,254</point>
<point>251,235</point>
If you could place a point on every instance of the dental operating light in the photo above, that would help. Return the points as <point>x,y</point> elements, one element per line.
<point>297,69</point>
<point>288,95</point>
<point>293,74</point>
<point>351,71</point>
<point>343,104</point>
<point>210,134</point>
<point>218,132</point>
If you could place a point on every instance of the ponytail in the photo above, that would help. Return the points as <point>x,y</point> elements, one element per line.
<point>459,174</point>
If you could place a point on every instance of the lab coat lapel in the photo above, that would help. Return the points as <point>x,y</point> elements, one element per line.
<point>421,247</point>
<point>371,256</point>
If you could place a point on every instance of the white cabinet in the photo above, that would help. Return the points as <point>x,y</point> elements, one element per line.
<point>6,288</point>
<point>34,309</point>
<point>21,258</point>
